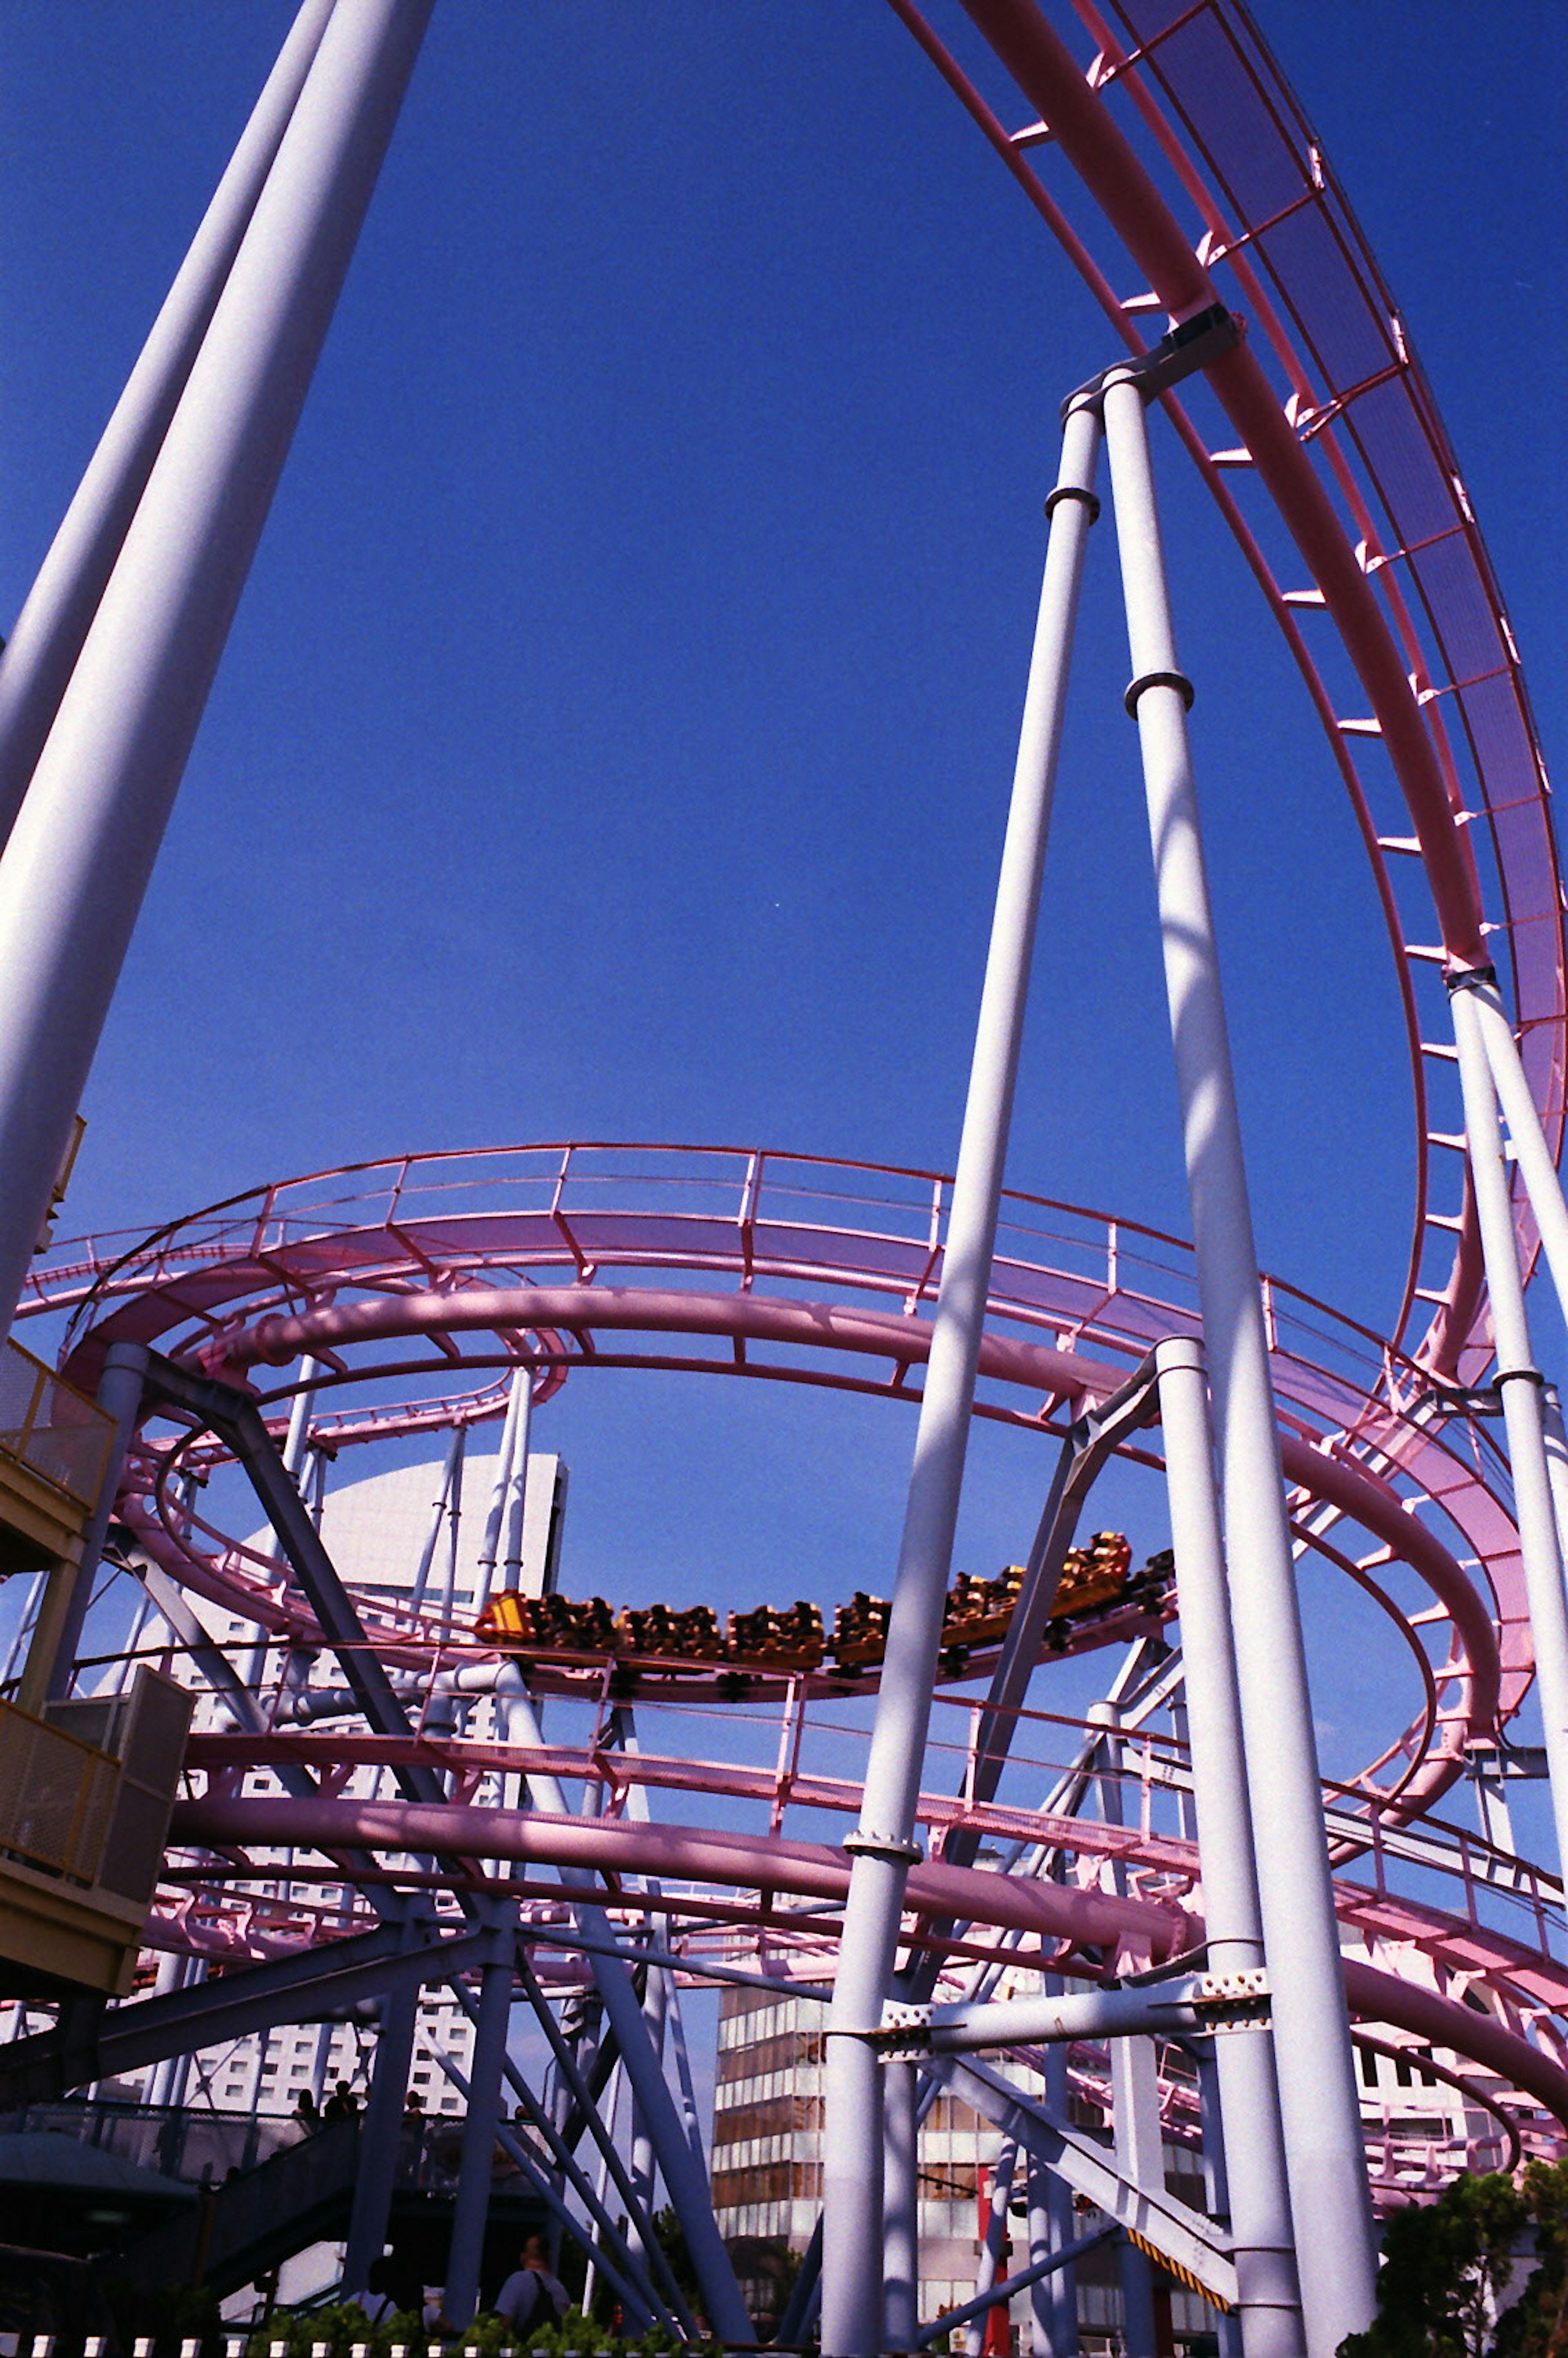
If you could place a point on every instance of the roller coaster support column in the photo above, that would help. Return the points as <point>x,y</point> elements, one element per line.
<point>296,1441</point>
<point>61,605</point>
<point>519,1399</point>
<point>471,2206</point>
<point>901,2207</point>
<point>1329,2199</point>
<point>685,2176</point>
<point>1520,1388</point>
<point>1486,1014</point>
<point>645,2163</point>
<point>1053,2298</point>
<point>1134,2077</point>
<point>82,848</point>
<point>517,1483</point>
<point>1244,2060</point>
<point>120,1398</point>
<point>381,2136</point>
<point>882,1847</point>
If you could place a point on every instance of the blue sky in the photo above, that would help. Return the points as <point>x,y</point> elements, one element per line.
<point>614,736</point>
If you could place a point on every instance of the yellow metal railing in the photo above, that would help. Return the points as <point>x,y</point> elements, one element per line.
<point>56,1796</point>
<point>51,1429</point>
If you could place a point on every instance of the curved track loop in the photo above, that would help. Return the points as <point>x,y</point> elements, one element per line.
<point>1334,422</point>
<point>449,1248</point>
<point>452,1272</point>
<point>440,1271</point>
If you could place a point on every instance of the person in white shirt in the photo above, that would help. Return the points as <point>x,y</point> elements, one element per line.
<point>531,2296</point>
<point>377,2301</point>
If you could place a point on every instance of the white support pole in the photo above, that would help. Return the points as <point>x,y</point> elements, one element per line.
<point>61,605</point>
<point>644,2160</point>
<point>517,1483</point>
<point>1216,2184</point>
<point>1134,2076</point>
<point>1542,1184</point>
<point>1520,1388</point>
<point>1260,2216</point>
<point>495,1513</point>
<point>883,1847</point>
<point>1312,2033</point>
<point>82,849</point>
<point>451,1481</point>
<point>1556,1466</point>
<point>901,2207</point>
<point>683,2175</point>
<point>296,1441</point>
<point>1135,2127</point>
<point>1052,2221</point>
<point>120,1398</point>
<point>454,1526</point>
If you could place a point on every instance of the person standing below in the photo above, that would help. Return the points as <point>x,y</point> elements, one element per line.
<point>379,2299</point>
<point>531,2296</point>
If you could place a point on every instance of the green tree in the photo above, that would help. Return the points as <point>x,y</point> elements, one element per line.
<point>1535,2326</point>
<point>1445,2266</point>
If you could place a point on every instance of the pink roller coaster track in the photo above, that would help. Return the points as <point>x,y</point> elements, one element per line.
<point>441,1276</point>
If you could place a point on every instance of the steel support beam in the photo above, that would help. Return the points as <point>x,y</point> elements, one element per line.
<point>1520,1388</point>
<point>632,2279</point>
<point>884,1847</point>
<point>61,605</point>
<point>120,1398</point>
<point>1247,2088</point>
<point>83,844</point>
<point>1188,2003</point>
<point>600,2121</point>
<point>1167,2226</point>
<point>684,2174</point>
<point>1043,2270</point>
<point>381,2136</point>
<point>483,2117</point>
<point>1054,2308</point>
<point>288,1989</point>
<point>1312,2033</point>
<point>901,2208</point>
<point>237,1421</point>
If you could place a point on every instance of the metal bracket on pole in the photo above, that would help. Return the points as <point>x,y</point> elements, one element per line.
<point>889,1847</point>
<point>1185,2004</point>
<point>1510,1760</point>
<point>1459,1400</point>
<point>1194,344</point>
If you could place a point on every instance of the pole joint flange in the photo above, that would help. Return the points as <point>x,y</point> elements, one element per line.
<point>1078,491</point>
<point>1470,977</point>
<point>1176,680</point>
<point>1460,1399</point>
<point>895,1848</point>
<point>1191,345</point>
<point>905,2033</point>
<point>1239,2001</point>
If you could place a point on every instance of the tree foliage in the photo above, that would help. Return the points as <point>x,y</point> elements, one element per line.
<point>1449,2284</point>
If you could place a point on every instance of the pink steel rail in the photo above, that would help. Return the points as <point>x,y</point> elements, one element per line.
<point>1338,425</point>
<point>436,1267</point>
